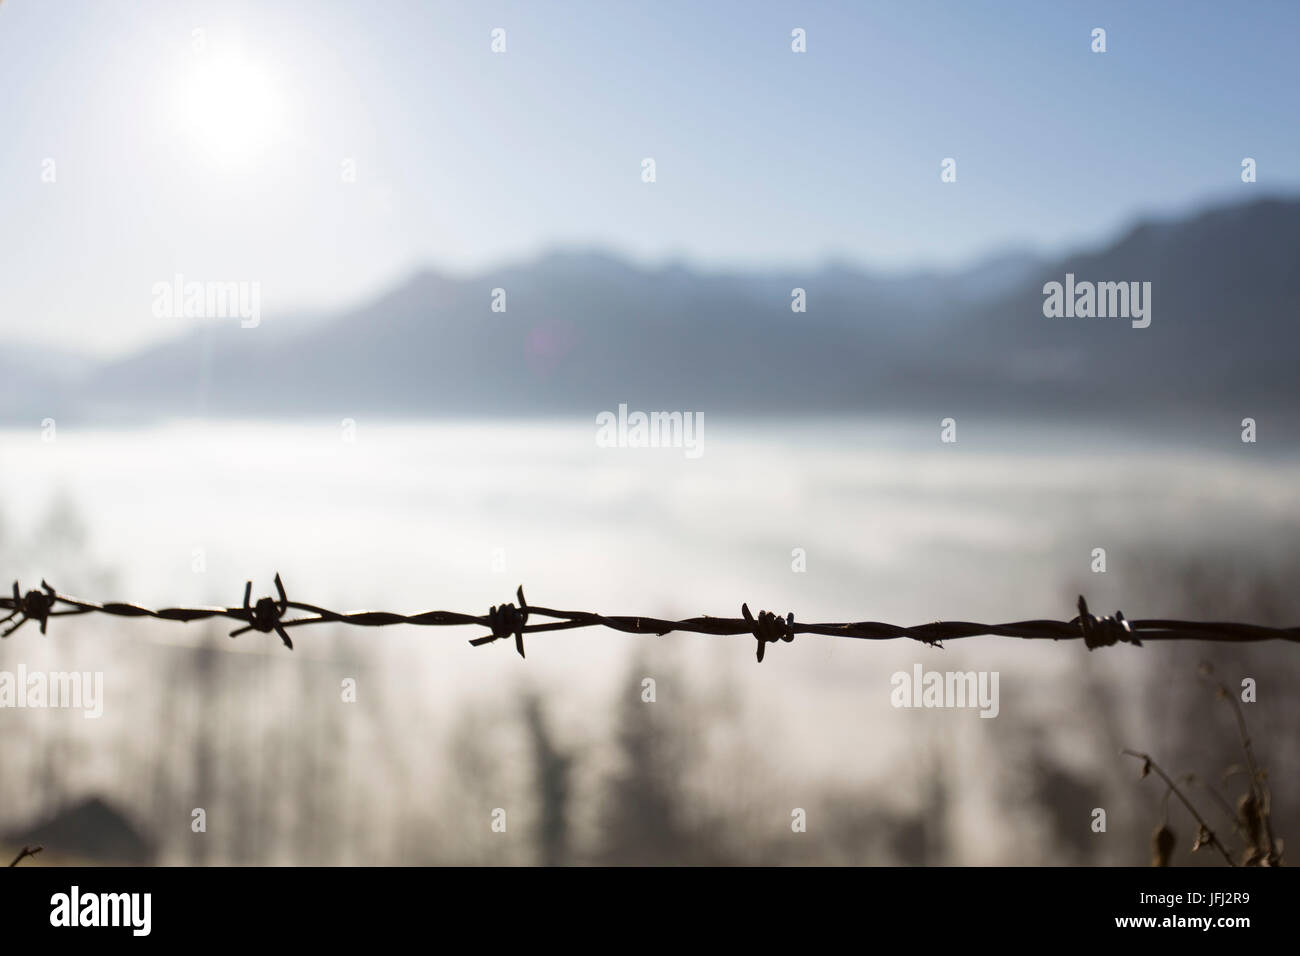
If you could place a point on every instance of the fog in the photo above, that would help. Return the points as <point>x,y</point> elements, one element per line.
<point>886,521</point>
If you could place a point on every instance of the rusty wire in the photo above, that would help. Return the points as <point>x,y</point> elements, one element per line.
<point>267,616</point>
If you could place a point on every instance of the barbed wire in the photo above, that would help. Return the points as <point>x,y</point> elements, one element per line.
<point>510,620</point>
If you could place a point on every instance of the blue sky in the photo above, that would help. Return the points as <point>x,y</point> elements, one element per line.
<point>465,158</point>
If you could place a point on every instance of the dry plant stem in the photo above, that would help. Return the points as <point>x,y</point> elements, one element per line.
<point>1214,840</point>
<point>1256,786</point>
<point>26,852</point>
<point>1227,810</point>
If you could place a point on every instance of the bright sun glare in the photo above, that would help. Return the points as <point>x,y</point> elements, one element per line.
<point>227,104</point>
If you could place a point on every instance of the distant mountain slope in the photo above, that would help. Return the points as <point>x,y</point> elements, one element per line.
<point>1225,304</point>
<point>583,332</point>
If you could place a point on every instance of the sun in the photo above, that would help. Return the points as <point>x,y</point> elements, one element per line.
<point>227,105</point>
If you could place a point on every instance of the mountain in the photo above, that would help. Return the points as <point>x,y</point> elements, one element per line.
<point>584,331</point>
<point>1225,299</point>
<point>31,377</point>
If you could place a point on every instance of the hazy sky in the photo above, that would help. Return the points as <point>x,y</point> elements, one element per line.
<point>224,162</point>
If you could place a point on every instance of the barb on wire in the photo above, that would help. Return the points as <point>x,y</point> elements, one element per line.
<point>32,606</point>
<point>265,615</point>
<point>769,628</point>
<point>268,615</point>
<point>506,620</point>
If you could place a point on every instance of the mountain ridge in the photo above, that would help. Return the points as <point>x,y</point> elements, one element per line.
<point>584,330</point>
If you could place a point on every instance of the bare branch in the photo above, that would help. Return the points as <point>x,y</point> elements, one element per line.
<point>26,852</point>
<point>1210,838</point>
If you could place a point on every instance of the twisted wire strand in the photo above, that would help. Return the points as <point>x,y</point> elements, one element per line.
<point>268,615</point>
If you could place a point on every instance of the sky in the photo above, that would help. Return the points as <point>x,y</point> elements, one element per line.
<point>133,148</point>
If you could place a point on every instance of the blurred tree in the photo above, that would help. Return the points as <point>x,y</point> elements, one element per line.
<point>646,816</point>
<point>551,770</point>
